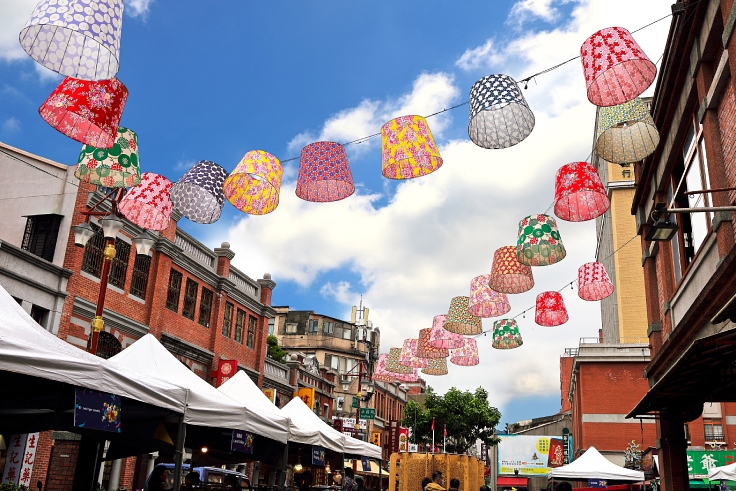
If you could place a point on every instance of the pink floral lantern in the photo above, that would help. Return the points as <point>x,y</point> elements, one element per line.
<point>407,377</point>
<point>380,374</point>
<point>436,366</point>
<point>467,355</point>
<point>441,338</point>
<point>550,310</point>
<point>615,67</point>
<point>408,148</point>
<point>148,204</point>
<point>579,193</point>
<point>393,364</point>
<point>593,282</point>
<point>459,319</point>
<point>324,173</point>
<point>425,348</point>
<point>508,275</point>
<point>485,302</point>
<point>87,111</point>
<point>409,356</point>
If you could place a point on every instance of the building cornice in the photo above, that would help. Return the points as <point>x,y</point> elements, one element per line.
<point>86,310</point>
<point>186,349</point>
<point>35,260</point>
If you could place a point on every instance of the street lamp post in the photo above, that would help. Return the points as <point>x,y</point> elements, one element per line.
<point>111,225</point>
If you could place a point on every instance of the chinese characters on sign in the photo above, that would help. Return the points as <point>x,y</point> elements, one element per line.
<point>225,370</point>
<point>403,439</point>
<point>20,457</point>
<point>699,462</point>
<point>393,436</point>
<point>270,394</point>
<point>530,455</point>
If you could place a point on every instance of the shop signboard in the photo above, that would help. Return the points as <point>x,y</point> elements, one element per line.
<point>699,462</point>
<point>393,436</point>
<point>29,456</point>
<point>242,442</point>
<point>566,446</point>
<point>270,394</point>
<point>225,370</point>
<point>14,460</point>
<point>349,423</point>
<point>318,456</point>
<point>403,439</point>
<point>367,413</point>
<point>306,394</point>
<point>96,410</point>
<point>365,464</point>
<point>529,455</point>
<point>356,401</point>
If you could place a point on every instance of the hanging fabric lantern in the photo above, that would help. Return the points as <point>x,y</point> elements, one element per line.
<point>437,366</point>
<point>425,348</point>
<point>459,319</point>
<point>499,115</point>
<point>593,282</point>
<point>324,173</point>
<point>254,186</point>
<point>550,309</point>
<point>506,334</point>
<point>408,148</point>
<point>626,133</point>
<point>77,38</point>
<point>615,67</point>
<point>539,241</point>
<point>86,111</point>
<point>379,372</point>
<point>394,365</point>
<point>115,167</point>
<point>198,194</point>
<point>148,204</point>
<point>508,275</point>
<point>579,193</point>
<point>441,338</point>
<point>407,377</point>
<point>485,302</point>
<point>409,356</point>
<point>467,355</point>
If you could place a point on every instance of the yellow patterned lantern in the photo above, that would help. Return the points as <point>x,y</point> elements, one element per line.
<point>408,148</point>
<point>254,186</point>
<point>436,366</point>
<point>459,319</point>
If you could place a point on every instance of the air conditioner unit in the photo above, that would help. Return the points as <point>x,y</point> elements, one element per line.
<point>340,403</point>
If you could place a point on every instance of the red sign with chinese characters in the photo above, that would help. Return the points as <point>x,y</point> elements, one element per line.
<point>20,458</point>
<point>393,436</point>
<point>225,370</point>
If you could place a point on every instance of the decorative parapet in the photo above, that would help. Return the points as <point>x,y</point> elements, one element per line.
<point>244,283</point>
<point>195,250</point>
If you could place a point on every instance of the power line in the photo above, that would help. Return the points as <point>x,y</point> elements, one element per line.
<point>38,169</point>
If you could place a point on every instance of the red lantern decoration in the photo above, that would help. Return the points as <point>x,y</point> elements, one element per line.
<point>148,204</point>
<point>579,193</point>
<point>86,111</point>
<point>550,310</point>
<point>593,282</point>
<point>508,275</point>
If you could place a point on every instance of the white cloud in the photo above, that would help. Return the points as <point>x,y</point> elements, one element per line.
<point>483,56</point>
<point>524,10</point>
<point>421,248</point>
<point>138,8</point>
<point>15,15</point>
<point>11,125</point>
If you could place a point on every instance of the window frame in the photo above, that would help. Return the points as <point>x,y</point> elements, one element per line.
<point>33,239</point>
<point>173,292</point>
<point>139,278</point>
<point>190,299</point>
<point>328,327</point>
<point>713,423</point>
<point>271,326</point>
<point>313,325</point>
<point>239,326</point>
<point>119,264</point>
<point>250,339</point>
<point>227,324</point>
<point>205,307</point>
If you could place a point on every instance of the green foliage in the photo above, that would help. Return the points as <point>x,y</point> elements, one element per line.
<point>274,350</point>
<point>9,486</point>
<point>468,417</point>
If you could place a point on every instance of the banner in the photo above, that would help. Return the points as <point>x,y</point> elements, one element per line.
<point>270,394</point>
<point>699,462</point>
<point>242,442</point>
<point>318,456</point>
<point>376,438</point>
<point>393,436</point>
<point>366,464</point>
<point>530,455</point>
<point>225,370</point>
<point>306,394</point>
<point>28,459</point>
<point>14,460</point>
<point>403,439</point>
<point>96,410</point>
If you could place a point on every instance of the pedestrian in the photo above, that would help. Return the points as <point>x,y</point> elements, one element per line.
<point>348,482</point>
<point>438,482</point>
<point>191,481</point>
<point>425,481</point>
<point>231,483</point>
<point>157,480</point>
<point>485,488</point>
<point>564,486</point>
<point>361,484</point>
<point>454,484</point>
<point>305,481</point>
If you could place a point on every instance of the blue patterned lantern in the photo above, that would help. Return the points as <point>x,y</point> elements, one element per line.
<point>198,194</point>
<point>499,115</point>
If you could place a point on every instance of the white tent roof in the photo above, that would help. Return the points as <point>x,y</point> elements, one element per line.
<point>727,472</point>
<point>299,412</point>
<point>206,406</point>
<point>593,465</point>
<point>306,427</point>
<point>27,348</point>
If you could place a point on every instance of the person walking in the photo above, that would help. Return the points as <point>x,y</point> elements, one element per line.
<point>438,482</point>
<point>348,482</point>
<point>425,481</point>
<point>454,484</point>
<point>157,480</point>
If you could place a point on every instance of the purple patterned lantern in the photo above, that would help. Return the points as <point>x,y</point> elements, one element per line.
<point>324,173</point>
<point>198,194</point>
<point>77,38</point>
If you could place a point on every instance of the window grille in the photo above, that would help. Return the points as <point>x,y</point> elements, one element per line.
<point>40,235</point>
<point>119,265</point>
<point>190,299</point>
<point>227,325</point>
<point>250,341</point>
<point>172,296</point>
<point>93,255</point>
<point>239,323</point>
<point>205,307</point>
<point>139,281</point>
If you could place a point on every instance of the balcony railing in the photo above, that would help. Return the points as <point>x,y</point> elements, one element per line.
<point>244,283</point>
<point>624,340</point>
<point>714,437</point>
<point>195,250</point>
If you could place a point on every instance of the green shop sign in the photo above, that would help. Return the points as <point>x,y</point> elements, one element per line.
<point>699,462</point>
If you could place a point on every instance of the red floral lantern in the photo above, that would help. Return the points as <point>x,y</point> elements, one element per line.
<point>508,275</point>
<point>550,310</point>
<point>324,173</point>
<point>148,204</point>
<point>86,111</point>
<point>579,193</point>
<point>425,348</point>
<point>593,282</point>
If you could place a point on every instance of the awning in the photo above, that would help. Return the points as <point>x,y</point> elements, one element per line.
<point>512,481</point>
<point>705,371</point>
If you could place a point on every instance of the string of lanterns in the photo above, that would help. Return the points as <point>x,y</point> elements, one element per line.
<point>81,40</point>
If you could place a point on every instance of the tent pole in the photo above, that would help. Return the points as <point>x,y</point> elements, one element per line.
<point>284,464</point>
<point>380,475</point>
<point>179,450</point>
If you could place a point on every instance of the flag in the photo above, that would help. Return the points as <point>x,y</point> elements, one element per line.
<point>444,432</point>
<point>432,424</point>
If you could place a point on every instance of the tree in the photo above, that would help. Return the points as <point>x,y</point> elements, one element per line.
<point>274,350</point>
<point>467,415</point>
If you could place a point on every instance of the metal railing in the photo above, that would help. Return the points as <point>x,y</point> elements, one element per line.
<point>624,340</point>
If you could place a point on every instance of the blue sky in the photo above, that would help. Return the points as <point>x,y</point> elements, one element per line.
<point>212,80</point>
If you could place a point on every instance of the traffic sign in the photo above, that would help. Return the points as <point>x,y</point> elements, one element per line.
<point>355,402</point>
<point>367,413</point>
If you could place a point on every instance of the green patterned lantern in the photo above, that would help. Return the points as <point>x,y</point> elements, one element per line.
<point>115,167</point>
<point>539,241</point>
<point>506,334</point>
<point>626,133</point>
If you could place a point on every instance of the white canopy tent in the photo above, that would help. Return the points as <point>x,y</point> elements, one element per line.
<point>309,429</point>
<point>726,472</point>
<point>298,411</point>
<point>28,349</point>
<point>593,465</point>
<point>206,406</point>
